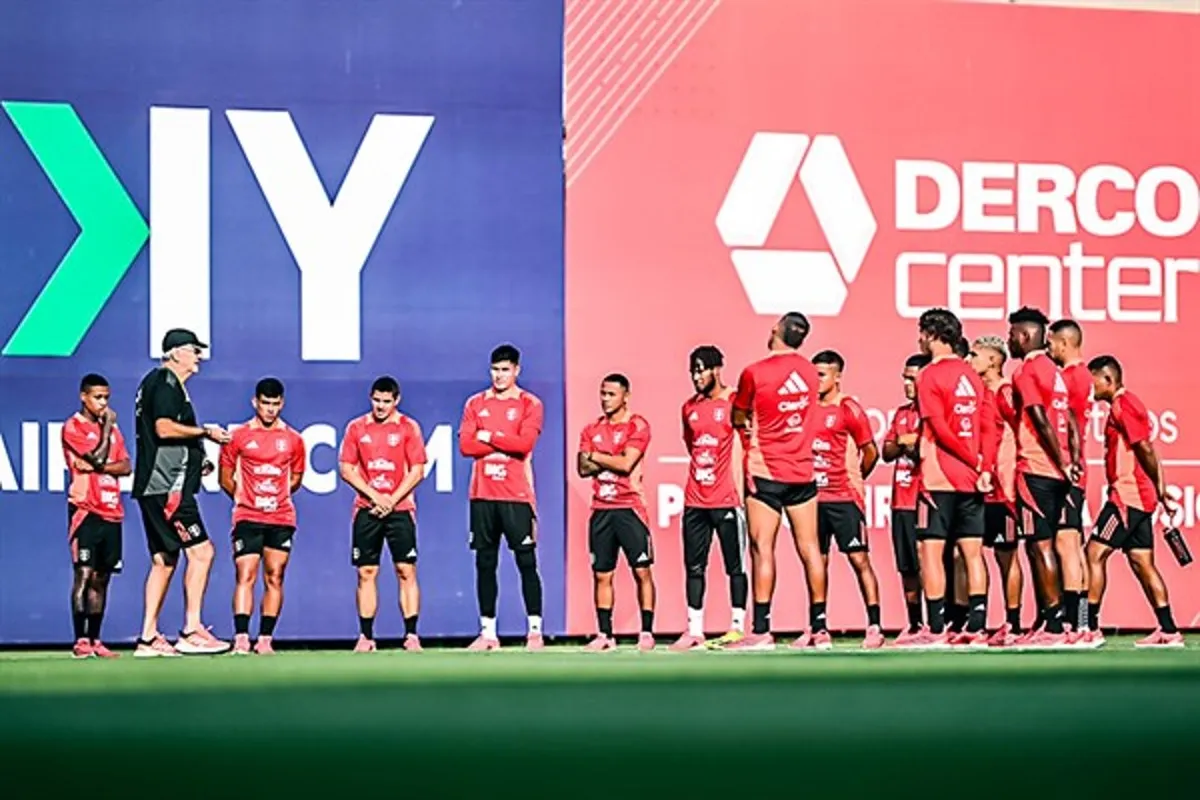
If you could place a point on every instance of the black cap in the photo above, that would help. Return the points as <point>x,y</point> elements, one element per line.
<point>181,337</point>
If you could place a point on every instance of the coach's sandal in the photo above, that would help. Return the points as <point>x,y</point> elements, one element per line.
<point>100,651</point>
<point>262,646</point>
<point>364,645</point>
<point>601,644</point>
<point>82,649</point>
<point>158,647</point>
<point>1159,639</point>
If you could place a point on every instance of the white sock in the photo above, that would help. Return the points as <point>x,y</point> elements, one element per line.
<point>487,627</point>
<point>696,622</point>
<point>739,620</point>
<point>535,624</point>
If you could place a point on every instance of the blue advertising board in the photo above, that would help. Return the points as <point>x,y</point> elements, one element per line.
<point>324,191</point>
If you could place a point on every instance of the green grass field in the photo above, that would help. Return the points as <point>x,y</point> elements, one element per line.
<point>562,723</point>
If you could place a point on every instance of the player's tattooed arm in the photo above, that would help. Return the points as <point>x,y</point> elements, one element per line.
<point>585,466</point>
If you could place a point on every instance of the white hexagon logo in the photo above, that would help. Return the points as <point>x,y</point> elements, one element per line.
<point>812,282</point>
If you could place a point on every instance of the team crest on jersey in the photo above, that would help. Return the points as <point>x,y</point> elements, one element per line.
<point>617,437</point>
<point>719,415</point>
<point>393,439</point>
<point>511,414</point>
<point>830,419</point>
<point>281,445</point>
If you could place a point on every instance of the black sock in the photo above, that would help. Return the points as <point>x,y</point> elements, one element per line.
<point>739,589</point>
<point>762,619</point>
<point>604,621</point>
<point>266,625</point>
<point>873,615</point>
<point>1094,616</point>
<point>79,620</point>
<point>1041,616</point>
<point>915,618</point>
<point>977,612</point>
<point>1013,616</point>
<point>1054,619</point>
<point>1165,620</point>
<point>1071,608</point>
<point>241,623</point>
<point>694,590</point>
<point>816,617</point>
<point>935,612</point>
<point>647,621</point>
<point>366,626</point>
<point>93,626</point>
<point>957,616</point>
<point>410,625</point>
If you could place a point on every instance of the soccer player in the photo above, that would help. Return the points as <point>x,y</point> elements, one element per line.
<point>260,469</point>
<point>170,463</point>
<point>499,429</point>
<point>1066,348</point>
<point>95,453</point>
<point>956,462</point>
<point>988,355</point>
<point>1047,464</point>
<point>383,459</point>
<point>844,454</point>
<point>711,500</point>
<point>1137,486</point>
<point>775,403</point>
<point>900,446</point>
<point>611,451</point>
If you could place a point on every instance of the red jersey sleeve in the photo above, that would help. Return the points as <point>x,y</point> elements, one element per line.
<point>349,452</point>
<point>1132,419</point>
<point>1029,385</point>
<point>528,431</point>
<point>1005,406</point>
<point>229,451</point>
<point>857,424</point>
<point>298,456</point>
<point>585,440</point>
<point>468,428</point>
<point>74,438</point>
<point>414,444</point>
<point>117,450</point>
<point>743,398</point>
<point>892,433</point>
<point>639,436</point>
<point>687,429</point>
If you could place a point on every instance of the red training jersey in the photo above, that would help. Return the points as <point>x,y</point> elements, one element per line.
<point>905,420</point>
<point>1004,478</point>
<point>503,468</point>
<point>90,491</point>
<point>610,490</point>
<point>779,392</point>
<point>1078,379</point>
<point>955,426</point>
<point>1039,382</point>
<point>264,462</point>
<point>709,436</point>
<point>841,431</point>
<point>1128,424</point>
<point>383,452</point>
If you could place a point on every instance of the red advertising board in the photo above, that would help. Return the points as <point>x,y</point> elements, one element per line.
<point>861,161</point>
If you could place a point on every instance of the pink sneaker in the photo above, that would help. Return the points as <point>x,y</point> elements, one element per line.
<point>1093,640</point>
<point>802,642</point>
<point>412,643</point>
<point>364,645</point>
<point>100,651</point>
<point>483,644</point>
<point>82,649</point>
<point>1003,637</point>
<point>241,644</point>
<point>1044,640</point>
<point>534,643</point>
<point>821,640</point>
<point>600,644</point>
<point>645,642</point>
<point>909,638</point>
<point>967,640</point>
<point>1160,640</point>
<point>752,642</point>
<point>687,642</point>
<point>200,642</point>
<point>262,646</point>
<point>874,639</point>
<point>158,647</point>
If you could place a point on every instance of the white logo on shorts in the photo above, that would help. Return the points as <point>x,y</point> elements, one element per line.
<point>239,546</point>
<point>354,553</point>
<point>84,554</point>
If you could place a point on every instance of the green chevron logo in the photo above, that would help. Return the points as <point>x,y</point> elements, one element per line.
<point>111,230</point>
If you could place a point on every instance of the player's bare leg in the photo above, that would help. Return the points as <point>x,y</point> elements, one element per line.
<point>803,521</point>
<point>644,577</point>
<point>1067,546</point>
<point>763,524</point>
<point>366,597</point>
<point>1044,563</point>
<point>274,566</point>
<point>975,569</point>
<point>868,585</point>
<point>83,645</point>
<point>195,637</point>
<point>1167,634</point>
<point>1097,571</point>
<point>410,604</point>
<point>95,601</point>
<point>246,575</point>
<point>152,643</point>
<point>602,585</point>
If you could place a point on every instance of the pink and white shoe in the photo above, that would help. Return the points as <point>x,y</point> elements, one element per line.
<point>687,642</point>
<point>483,644</point>
<point>364,645</point>
<point>1003,637</point>
<point>1092,640</point>
<point>968,640</point>
<point>100,651</point>
<point>822,640</point>
<point>935,641</point>
<point>645,642</point>
<point>262,646</point>
<point>200,642</point>
<point>158,647</point>
<point>1162,641</point>
<point>241,644</point>
<point>909,638</point>
<point>412,643</point>
<point>752,642</point>
<point>82,649</point>
<point>534,643</point>
<point>601,644</point>
<point>1044,640</point>
<point>874,639</point>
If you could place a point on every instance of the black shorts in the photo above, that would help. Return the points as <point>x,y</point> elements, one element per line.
<point>1040,503</point>
<point>1126,530</point>
<point>1072,513</point>
<point>492,520</point>
<point>779,495</point>
<point>843,522</point>
<point>95,541</point>
<point>613,530</point>
<point>699,524</point>
<point>999,526</point>
<point>949,516</point>
<point>904,541</point>
<point>171,527</point>
<point>249,538</point>
<point>398,528</point>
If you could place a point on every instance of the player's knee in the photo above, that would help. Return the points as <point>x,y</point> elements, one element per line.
<point>406,572</point>
<point>526,561</point>
<point>367,575</point>
<point>644,576</point>
<point>201,553</point>
<point>273,578</point>
<point>487,560</point>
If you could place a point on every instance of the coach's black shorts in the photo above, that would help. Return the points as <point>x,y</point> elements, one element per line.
<point>613,530</point>
<point>730,527</point>
<point>1000,526</point>
<point>398,528</point>
<point>843,522</point>
<point>1040,503</point>
<point>1072,513</point>
<point>904,541</point>
<point>779,495</point>
<point>95,541</point>
<point>492,520</point>
<point>171,524</point>
<point>249,538</point>
<point>1126,530</point>
<point>949,516</point>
